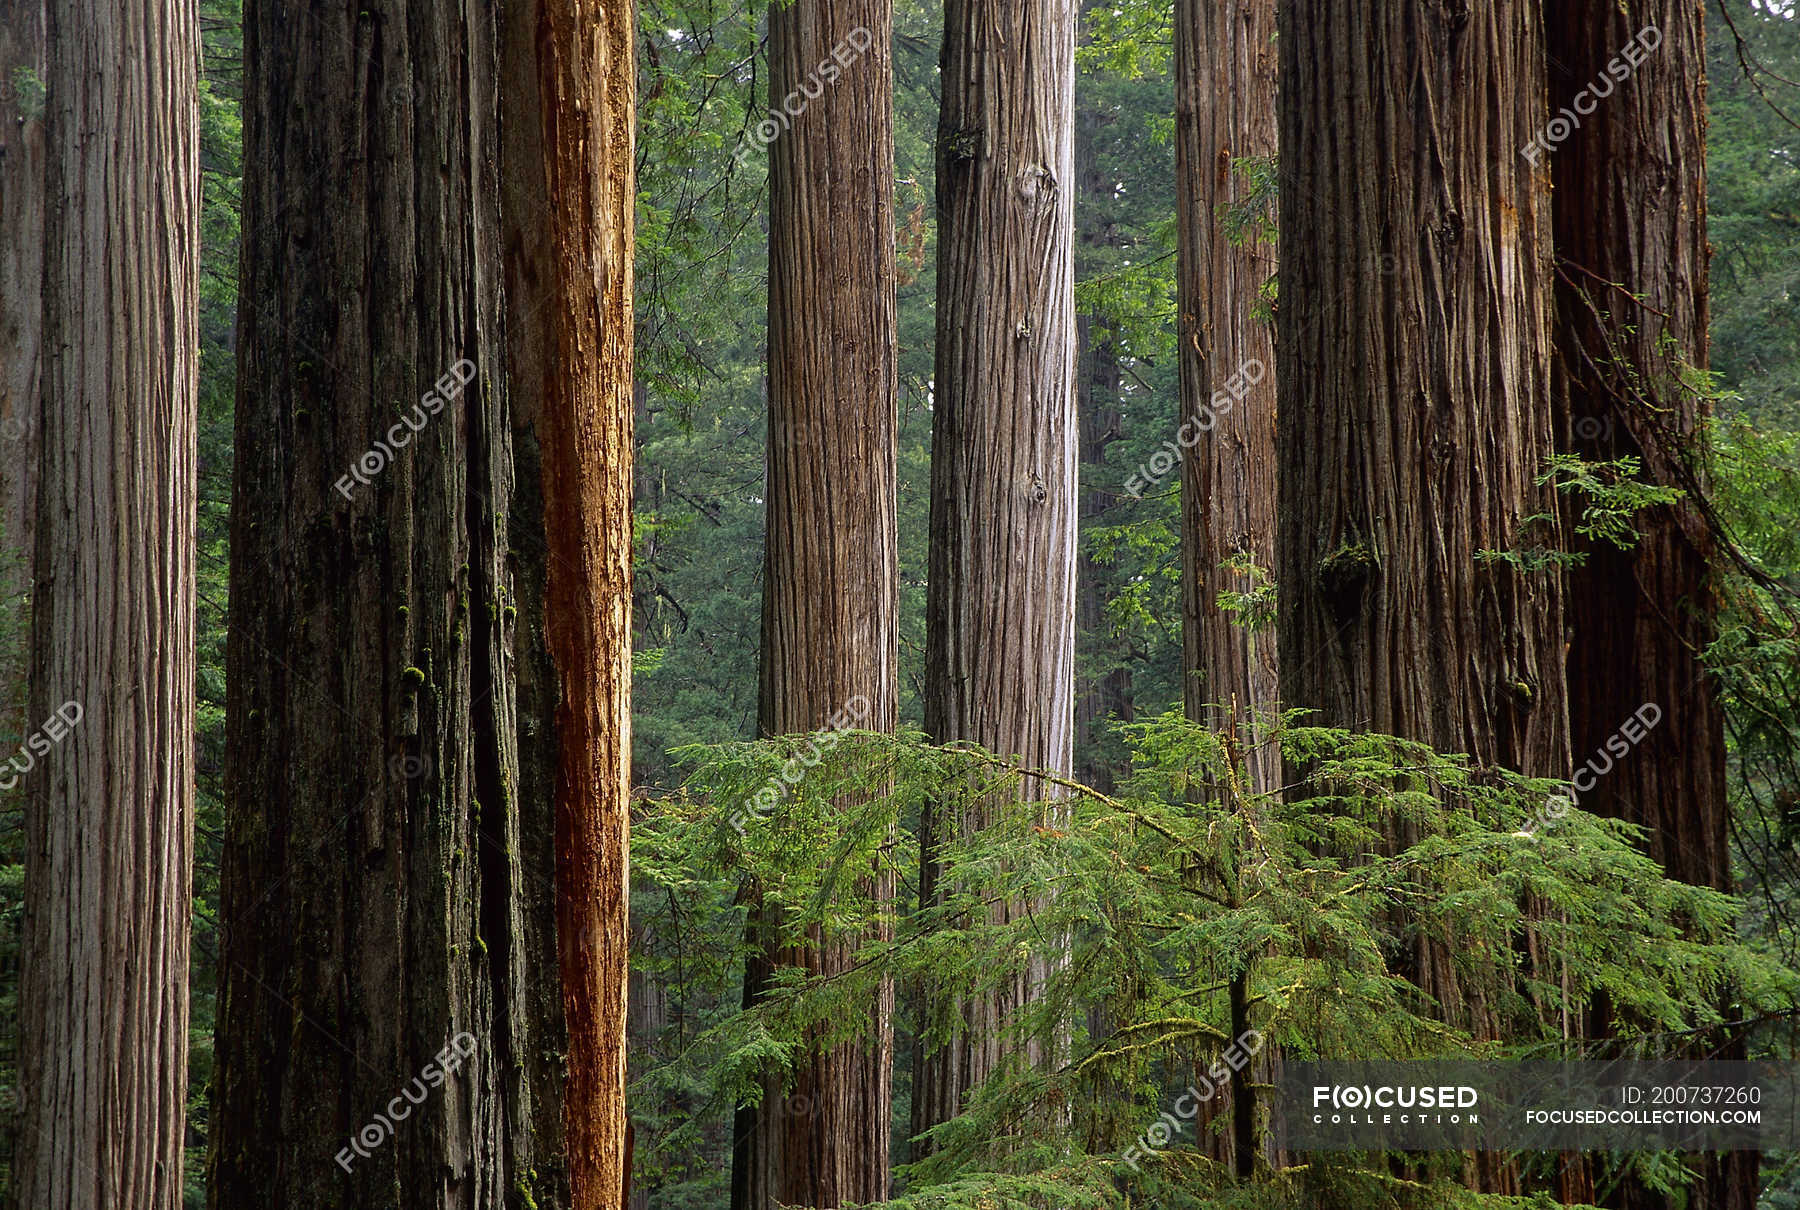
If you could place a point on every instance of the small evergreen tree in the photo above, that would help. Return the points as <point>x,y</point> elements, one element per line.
<point>1194,909</point>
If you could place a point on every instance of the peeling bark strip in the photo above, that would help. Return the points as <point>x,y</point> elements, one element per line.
<point>387,790</point>
<point>831,582</point>
<point>1000,612</point>
<point>109,811</point>
<point>586,82</point>
<point>1413,365</point>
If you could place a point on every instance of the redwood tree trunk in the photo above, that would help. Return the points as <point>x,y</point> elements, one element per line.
<point>586,88</point>
<point>831,589</point>
<point>109,809</point>
<point>1225,135</point>
<point>1000,609</point>
<point>1414,312</point>
<point>1630,226</point>
<point>389,820</point>
<point>1630,214</point>
<point>1225,70</point>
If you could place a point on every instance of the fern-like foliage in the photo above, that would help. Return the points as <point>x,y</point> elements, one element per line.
<point>1146,917</point>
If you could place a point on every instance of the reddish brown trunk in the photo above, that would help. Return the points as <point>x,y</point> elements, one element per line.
<point>108,769</point>
<point>1225,138</point>
<point>1000,609</point>
<point>1225,133</point>
<point>830,638</point>
<point>586,86</point>
<point>1630,223</point>
<point>1414,309</point>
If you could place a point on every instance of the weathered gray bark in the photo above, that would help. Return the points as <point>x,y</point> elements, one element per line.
<point>109,803</point>
<point>1225,70</point>
<point>1630,225</point>
<point>831,587</point>
<point>1000,608</point>
<point>385,886</point>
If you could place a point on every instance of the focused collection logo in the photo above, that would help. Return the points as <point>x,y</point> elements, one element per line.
<point>1394,1104</point>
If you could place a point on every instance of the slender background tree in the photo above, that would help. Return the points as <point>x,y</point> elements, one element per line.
<point>1000,614</point>
<point>831,586</point>
<point>1104,685</point>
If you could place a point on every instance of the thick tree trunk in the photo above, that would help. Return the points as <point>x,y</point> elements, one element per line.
<point>1414,321</point>
<point>1000,613</point>
<point>21,324</point>
<point>831,589</point>
<point>1225,71</point>
<point>1630,226</point>
<point>1630,212</point>
<point>109,810</point>
<point>385,899</point>
<point>586,87</point>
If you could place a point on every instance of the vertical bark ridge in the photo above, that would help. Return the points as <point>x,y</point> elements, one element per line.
<point>374,904</point>
<point>1630,223</point>
<point>1413,365</point>
<point>109,809</point>
<point>830,633</point>
<point>1225,77</point>
<point>585,82</point>
<point>1000,606</point>
<point>21,325</point>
